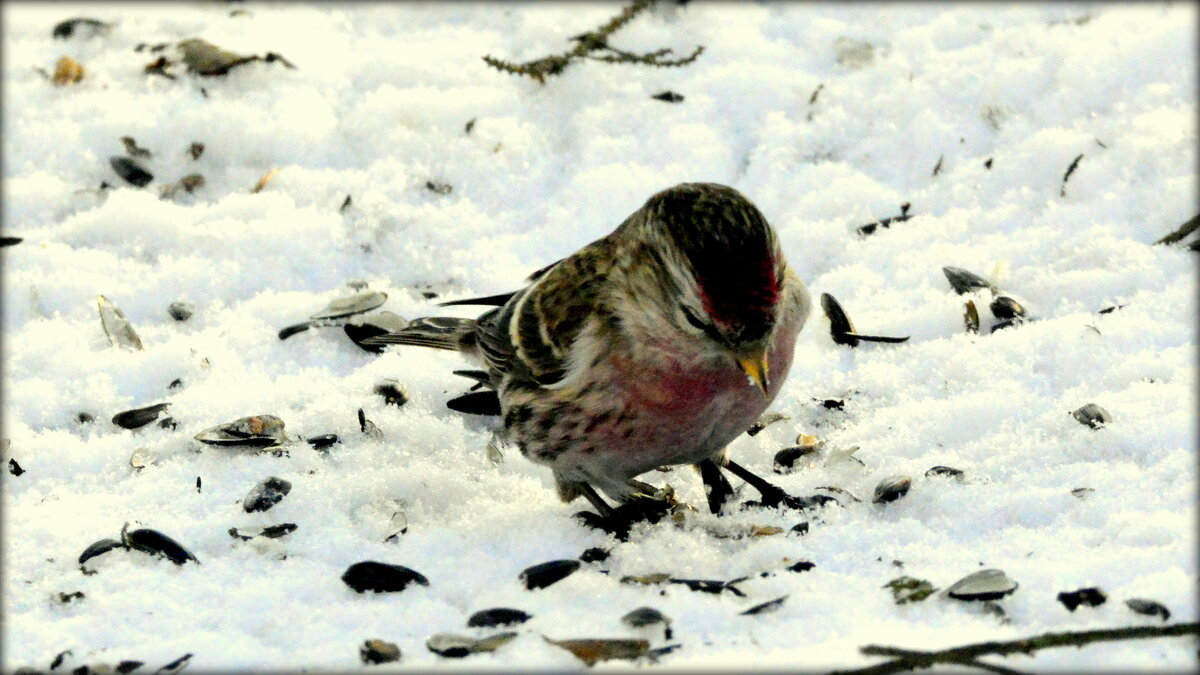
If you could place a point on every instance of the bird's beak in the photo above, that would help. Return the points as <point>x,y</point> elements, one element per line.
<point>755,367</point>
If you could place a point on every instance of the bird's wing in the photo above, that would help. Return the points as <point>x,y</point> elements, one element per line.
<point>530,337</point>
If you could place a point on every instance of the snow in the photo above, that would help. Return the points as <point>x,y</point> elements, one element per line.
<point>377,107</point>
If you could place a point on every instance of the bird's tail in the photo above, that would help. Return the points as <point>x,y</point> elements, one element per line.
<point>438,332</point>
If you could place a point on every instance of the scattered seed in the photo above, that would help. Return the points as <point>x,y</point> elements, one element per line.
<point>458,646</point>
<point>142,457</point>
<point>800,528</point>
<point>58,659</point>
<point>548,573</point>
<point>381,577</point>
<point>1062,192</point>
<point>439,188</point>
<point>378,651</point>
<point>892,488</point>
<point>713,586</point>
<point>812,99</point>
<point>181,310</point>
<point>497,616</point>
<point>869,228</point>
<point>323,441</point>
<point>118,329</point>
<point>988,164</point>
<point>14,468</point>
<point>1092,415</point>
<point>81,26</point>
<point>840,326</point>
<point>764,421</point>
<point>349,306</point>
<point>595,554</point>
<point>786,459</point>
<point>368,427</point>
<point>67,71</point>
<point>1092,597</point>
<point>592,652</point>
<point>397,526</point>
<point>195,150</point>
<point>944,471</point>
<point>132,148</point>
<point>157,543</point>
<point>1148,608</point>
<point>391,392</point>
<point>266,494</point>
<point>989,584</point>
<point>130,171</point>
<point>668,96</point>
<point>766,607</point>
<point>256,431</point>
<point>937,168</point>
<point>964,282</point>
<point>1005,308</point>
<point>262,182</point>
<point>971,317</point>
<point>68,597</point>
<point>139,417</point>
<point>909,589</point>
<point>98,548</point>
<point>644,616</point>
<point>1082,492</point>
<point>175,666</point>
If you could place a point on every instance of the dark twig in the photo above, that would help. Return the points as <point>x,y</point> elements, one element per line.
<point>594,41</point>
<point>967,655</point>
<point>1183,231</point>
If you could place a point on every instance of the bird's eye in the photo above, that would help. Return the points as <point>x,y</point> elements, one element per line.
<point>694,319</point>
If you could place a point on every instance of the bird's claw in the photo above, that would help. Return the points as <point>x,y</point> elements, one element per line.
<point>772,498</point>
<point>638,509</point>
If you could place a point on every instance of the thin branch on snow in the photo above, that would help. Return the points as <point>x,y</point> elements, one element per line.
<point>1183,231</point>
<point>967,655</point>
<point>595,41</point>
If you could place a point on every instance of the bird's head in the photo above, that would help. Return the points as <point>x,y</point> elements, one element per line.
<point>724,270</point>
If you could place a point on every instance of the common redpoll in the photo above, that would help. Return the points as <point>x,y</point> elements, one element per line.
<point>655,345</point>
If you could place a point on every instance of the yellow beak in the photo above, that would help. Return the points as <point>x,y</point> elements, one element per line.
<point>755,367</point>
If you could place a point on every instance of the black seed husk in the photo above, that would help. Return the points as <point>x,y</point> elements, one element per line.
<point>323,441</point>
<point>102,546</point>
<point>548,573</point>
<point>380,577</point>
<point>130,170</point>
<point>1092,597</point>
<point>269,492</point>
<point>139,417</point>
<point>497,616</point>
<point>157,543</point>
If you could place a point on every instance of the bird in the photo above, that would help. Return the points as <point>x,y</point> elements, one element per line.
<point>657,344</point>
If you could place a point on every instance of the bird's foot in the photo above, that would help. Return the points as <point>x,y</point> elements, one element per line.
<point>716,487</point>
<point>773,496</point>
<point>639,508</point>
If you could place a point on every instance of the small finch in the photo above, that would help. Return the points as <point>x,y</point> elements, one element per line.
<point>655,345</point>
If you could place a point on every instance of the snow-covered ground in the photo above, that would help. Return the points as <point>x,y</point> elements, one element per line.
<point>1002,97</point>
